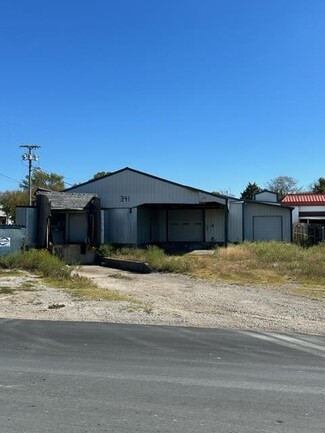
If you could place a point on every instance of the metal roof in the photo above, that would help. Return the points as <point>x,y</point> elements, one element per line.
<point>306,199</point>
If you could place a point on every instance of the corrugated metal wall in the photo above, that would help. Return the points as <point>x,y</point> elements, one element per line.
<point>120,226</point>
<point>77,225</point>
<point>252,210</point>
<point>130,189</point>
<point>12,238</point>
<point>235,221</point>
<point>27,216</point>
<point>267,228</point>
<point>267,196</point>
<point>186,225</point>
<point>215,225</point>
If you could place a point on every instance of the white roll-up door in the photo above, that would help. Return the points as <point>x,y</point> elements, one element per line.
<point>185,225</point>
<point>267,228</point>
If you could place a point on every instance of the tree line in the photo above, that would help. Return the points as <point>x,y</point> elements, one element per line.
<point>9,200</point>
<point>282,185</point>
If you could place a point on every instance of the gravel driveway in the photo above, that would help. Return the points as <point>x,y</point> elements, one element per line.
<point>167,299</point>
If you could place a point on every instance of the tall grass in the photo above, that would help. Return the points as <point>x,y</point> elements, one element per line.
<point>265,263</point>
<point>154,256</point>
<point>57,274</point>
<point>268,263</point>
<point>38,261</point>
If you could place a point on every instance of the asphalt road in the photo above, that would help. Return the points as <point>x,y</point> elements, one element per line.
<point>91,377</point>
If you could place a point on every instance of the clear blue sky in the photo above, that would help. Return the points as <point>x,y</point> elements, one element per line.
<point>211,94</point>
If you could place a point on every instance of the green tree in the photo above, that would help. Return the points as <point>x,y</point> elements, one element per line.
<point>10,199</point>
<point>41,179</point>
<point>100,174</point>
<point>318,186</point>
<point>250,190</point>
<point>226,192</point>
<point>283,185</point>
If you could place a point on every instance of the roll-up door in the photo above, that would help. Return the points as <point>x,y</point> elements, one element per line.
<point>185,225</point>
<point>267,228</point>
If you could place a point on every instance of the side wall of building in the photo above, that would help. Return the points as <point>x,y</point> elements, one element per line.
<point>265,222</point>
<point>235,221</point>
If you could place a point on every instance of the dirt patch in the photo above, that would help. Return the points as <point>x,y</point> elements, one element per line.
<point>166,299</point>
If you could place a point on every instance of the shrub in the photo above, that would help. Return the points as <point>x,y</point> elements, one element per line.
<point>39,261</point>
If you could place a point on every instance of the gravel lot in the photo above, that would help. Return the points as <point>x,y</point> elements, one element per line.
<point>165,299</point>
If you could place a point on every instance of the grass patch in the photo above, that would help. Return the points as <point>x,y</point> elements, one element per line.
<point>57,274</point>
<point>9,273</point>
<point>120,277</point>
<point>27,286</point>
<point>85,290</point>
<point>155,257</point>
<point>268,263</point>
<point>7,291</point>
<point>40,262</point>
<point>298,269</point>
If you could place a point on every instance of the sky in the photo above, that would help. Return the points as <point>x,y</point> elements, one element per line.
<point>207,93</point>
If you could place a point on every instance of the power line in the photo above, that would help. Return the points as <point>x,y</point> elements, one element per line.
<point>46,172</point>
<point>9,178</point>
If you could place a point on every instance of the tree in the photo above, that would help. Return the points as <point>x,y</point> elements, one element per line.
<point>250,190</point>
<point>100,174</point>
<point>318,186</point>
<point>283,185</point>
<point>40,179</point>
<point>10,199</point>
<point>226,192</point>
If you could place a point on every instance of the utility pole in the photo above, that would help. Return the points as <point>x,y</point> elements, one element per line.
<point>30,156</point>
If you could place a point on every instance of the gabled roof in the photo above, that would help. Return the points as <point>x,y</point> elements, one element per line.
<point>304,199</point>
<point>267,191</point>
<point>68,201</point>
<point>147,175</point>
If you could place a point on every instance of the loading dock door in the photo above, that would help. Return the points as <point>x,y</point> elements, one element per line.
<point>185,225</point>
<point>267,228</point>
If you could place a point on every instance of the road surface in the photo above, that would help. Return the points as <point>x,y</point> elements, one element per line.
<point>73,377</point>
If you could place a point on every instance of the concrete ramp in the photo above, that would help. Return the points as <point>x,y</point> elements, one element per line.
<point>126,265</point>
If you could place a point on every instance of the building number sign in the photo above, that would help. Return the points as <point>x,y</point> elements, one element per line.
<point>124,198</point>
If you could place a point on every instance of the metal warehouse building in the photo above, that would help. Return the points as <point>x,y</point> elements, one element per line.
<point>138,208</point>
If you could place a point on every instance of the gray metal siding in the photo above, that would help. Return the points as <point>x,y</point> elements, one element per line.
<point>266,196</point>
<point>77,227</point>
<point>161,231</point>
<point>267,228</point>
<point>185,225</point>
<point>27,216</point>
<point>215,225</point>
<point>129,189</point>
<point>146,225</point>
<point>120,226</point>
<point>235,221</point>
<point>252,210</point>
<point>12,238</point>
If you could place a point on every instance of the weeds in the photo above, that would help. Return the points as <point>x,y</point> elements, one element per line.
<point>6,290</point>
<point>57,274</point>
<point>39,261</point>
<point>267,263</point>
<point>153,256</point>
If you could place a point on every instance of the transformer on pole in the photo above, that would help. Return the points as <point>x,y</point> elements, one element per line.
<point>30,156</point>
